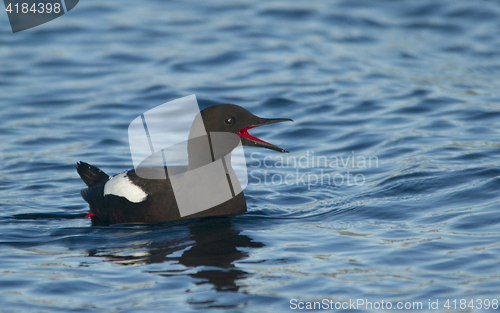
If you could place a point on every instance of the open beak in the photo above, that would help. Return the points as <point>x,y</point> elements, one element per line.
<point>249,140</point>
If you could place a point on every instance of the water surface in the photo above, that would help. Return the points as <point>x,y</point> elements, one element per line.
<point>411,84</point>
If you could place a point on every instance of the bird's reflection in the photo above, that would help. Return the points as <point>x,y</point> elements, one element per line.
<point>214,252</point>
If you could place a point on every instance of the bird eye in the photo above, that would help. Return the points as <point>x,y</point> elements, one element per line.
<point>229,121</point>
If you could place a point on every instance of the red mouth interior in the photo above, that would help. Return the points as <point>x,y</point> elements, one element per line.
<point>244,133</point>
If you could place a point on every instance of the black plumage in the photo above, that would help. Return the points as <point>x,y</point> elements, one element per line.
<point>160,204</point>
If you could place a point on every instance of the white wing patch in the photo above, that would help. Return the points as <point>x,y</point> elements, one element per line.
<point>121,186</point>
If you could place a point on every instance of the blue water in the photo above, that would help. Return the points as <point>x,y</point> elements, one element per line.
<point>412,84</point>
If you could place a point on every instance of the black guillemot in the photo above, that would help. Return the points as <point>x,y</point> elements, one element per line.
<point>128,197</point>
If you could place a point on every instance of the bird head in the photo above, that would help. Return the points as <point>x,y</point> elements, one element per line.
<point>230,118</point>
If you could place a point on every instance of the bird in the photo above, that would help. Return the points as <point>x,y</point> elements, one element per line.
<point>129,197</point>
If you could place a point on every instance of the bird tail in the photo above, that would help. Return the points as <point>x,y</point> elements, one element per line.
<point>91,175</point>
